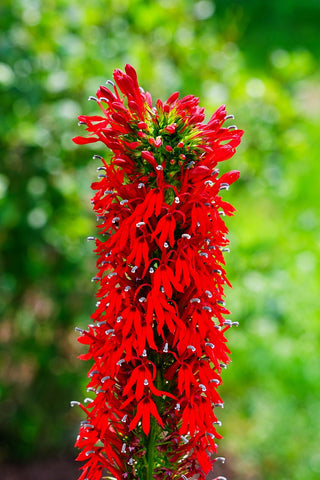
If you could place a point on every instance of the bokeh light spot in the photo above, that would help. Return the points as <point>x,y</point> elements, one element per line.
<point>255,87</point>
<point>37,217</point>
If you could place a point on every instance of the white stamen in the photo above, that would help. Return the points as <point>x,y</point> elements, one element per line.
<point>89,452</point>
<point>195,300</point>
<point>100,391</point>
<point>208,309</point>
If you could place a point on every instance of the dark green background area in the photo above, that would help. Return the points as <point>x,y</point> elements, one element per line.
<point>262,60</point>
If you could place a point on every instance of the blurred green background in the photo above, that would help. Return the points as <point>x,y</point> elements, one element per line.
<point>262,60</point>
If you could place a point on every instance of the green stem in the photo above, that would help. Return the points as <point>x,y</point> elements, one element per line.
<point>151,448</point>
<point>152,438</point>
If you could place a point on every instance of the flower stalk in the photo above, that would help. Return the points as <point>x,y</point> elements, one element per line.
<point>157,342</point>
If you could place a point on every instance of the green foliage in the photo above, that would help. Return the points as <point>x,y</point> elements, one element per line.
<point>261,59</point>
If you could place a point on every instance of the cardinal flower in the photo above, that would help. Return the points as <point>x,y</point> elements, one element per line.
<point>145,409</point>
<point>157,341</point>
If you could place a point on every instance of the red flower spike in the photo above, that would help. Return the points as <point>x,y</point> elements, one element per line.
<point>157,343</point>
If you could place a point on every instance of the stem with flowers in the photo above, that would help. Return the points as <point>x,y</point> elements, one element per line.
<point>157,342</point>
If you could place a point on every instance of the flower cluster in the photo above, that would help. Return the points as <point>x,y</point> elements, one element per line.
<point>157,340</point>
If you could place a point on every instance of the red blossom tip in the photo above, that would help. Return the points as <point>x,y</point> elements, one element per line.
<point>84,140</point>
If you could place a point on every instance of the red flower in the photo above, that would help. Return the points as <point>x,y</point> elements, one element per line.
<point>145,408</point>
<point>165,227</point>
<point>157,341</point>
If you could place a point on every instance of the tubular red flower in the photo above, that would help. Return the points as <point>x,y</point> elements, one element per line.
<point>157,343</point>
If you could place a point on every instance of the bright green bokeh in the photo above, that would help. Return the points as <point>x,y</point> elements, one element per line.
<point>261,59</point>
